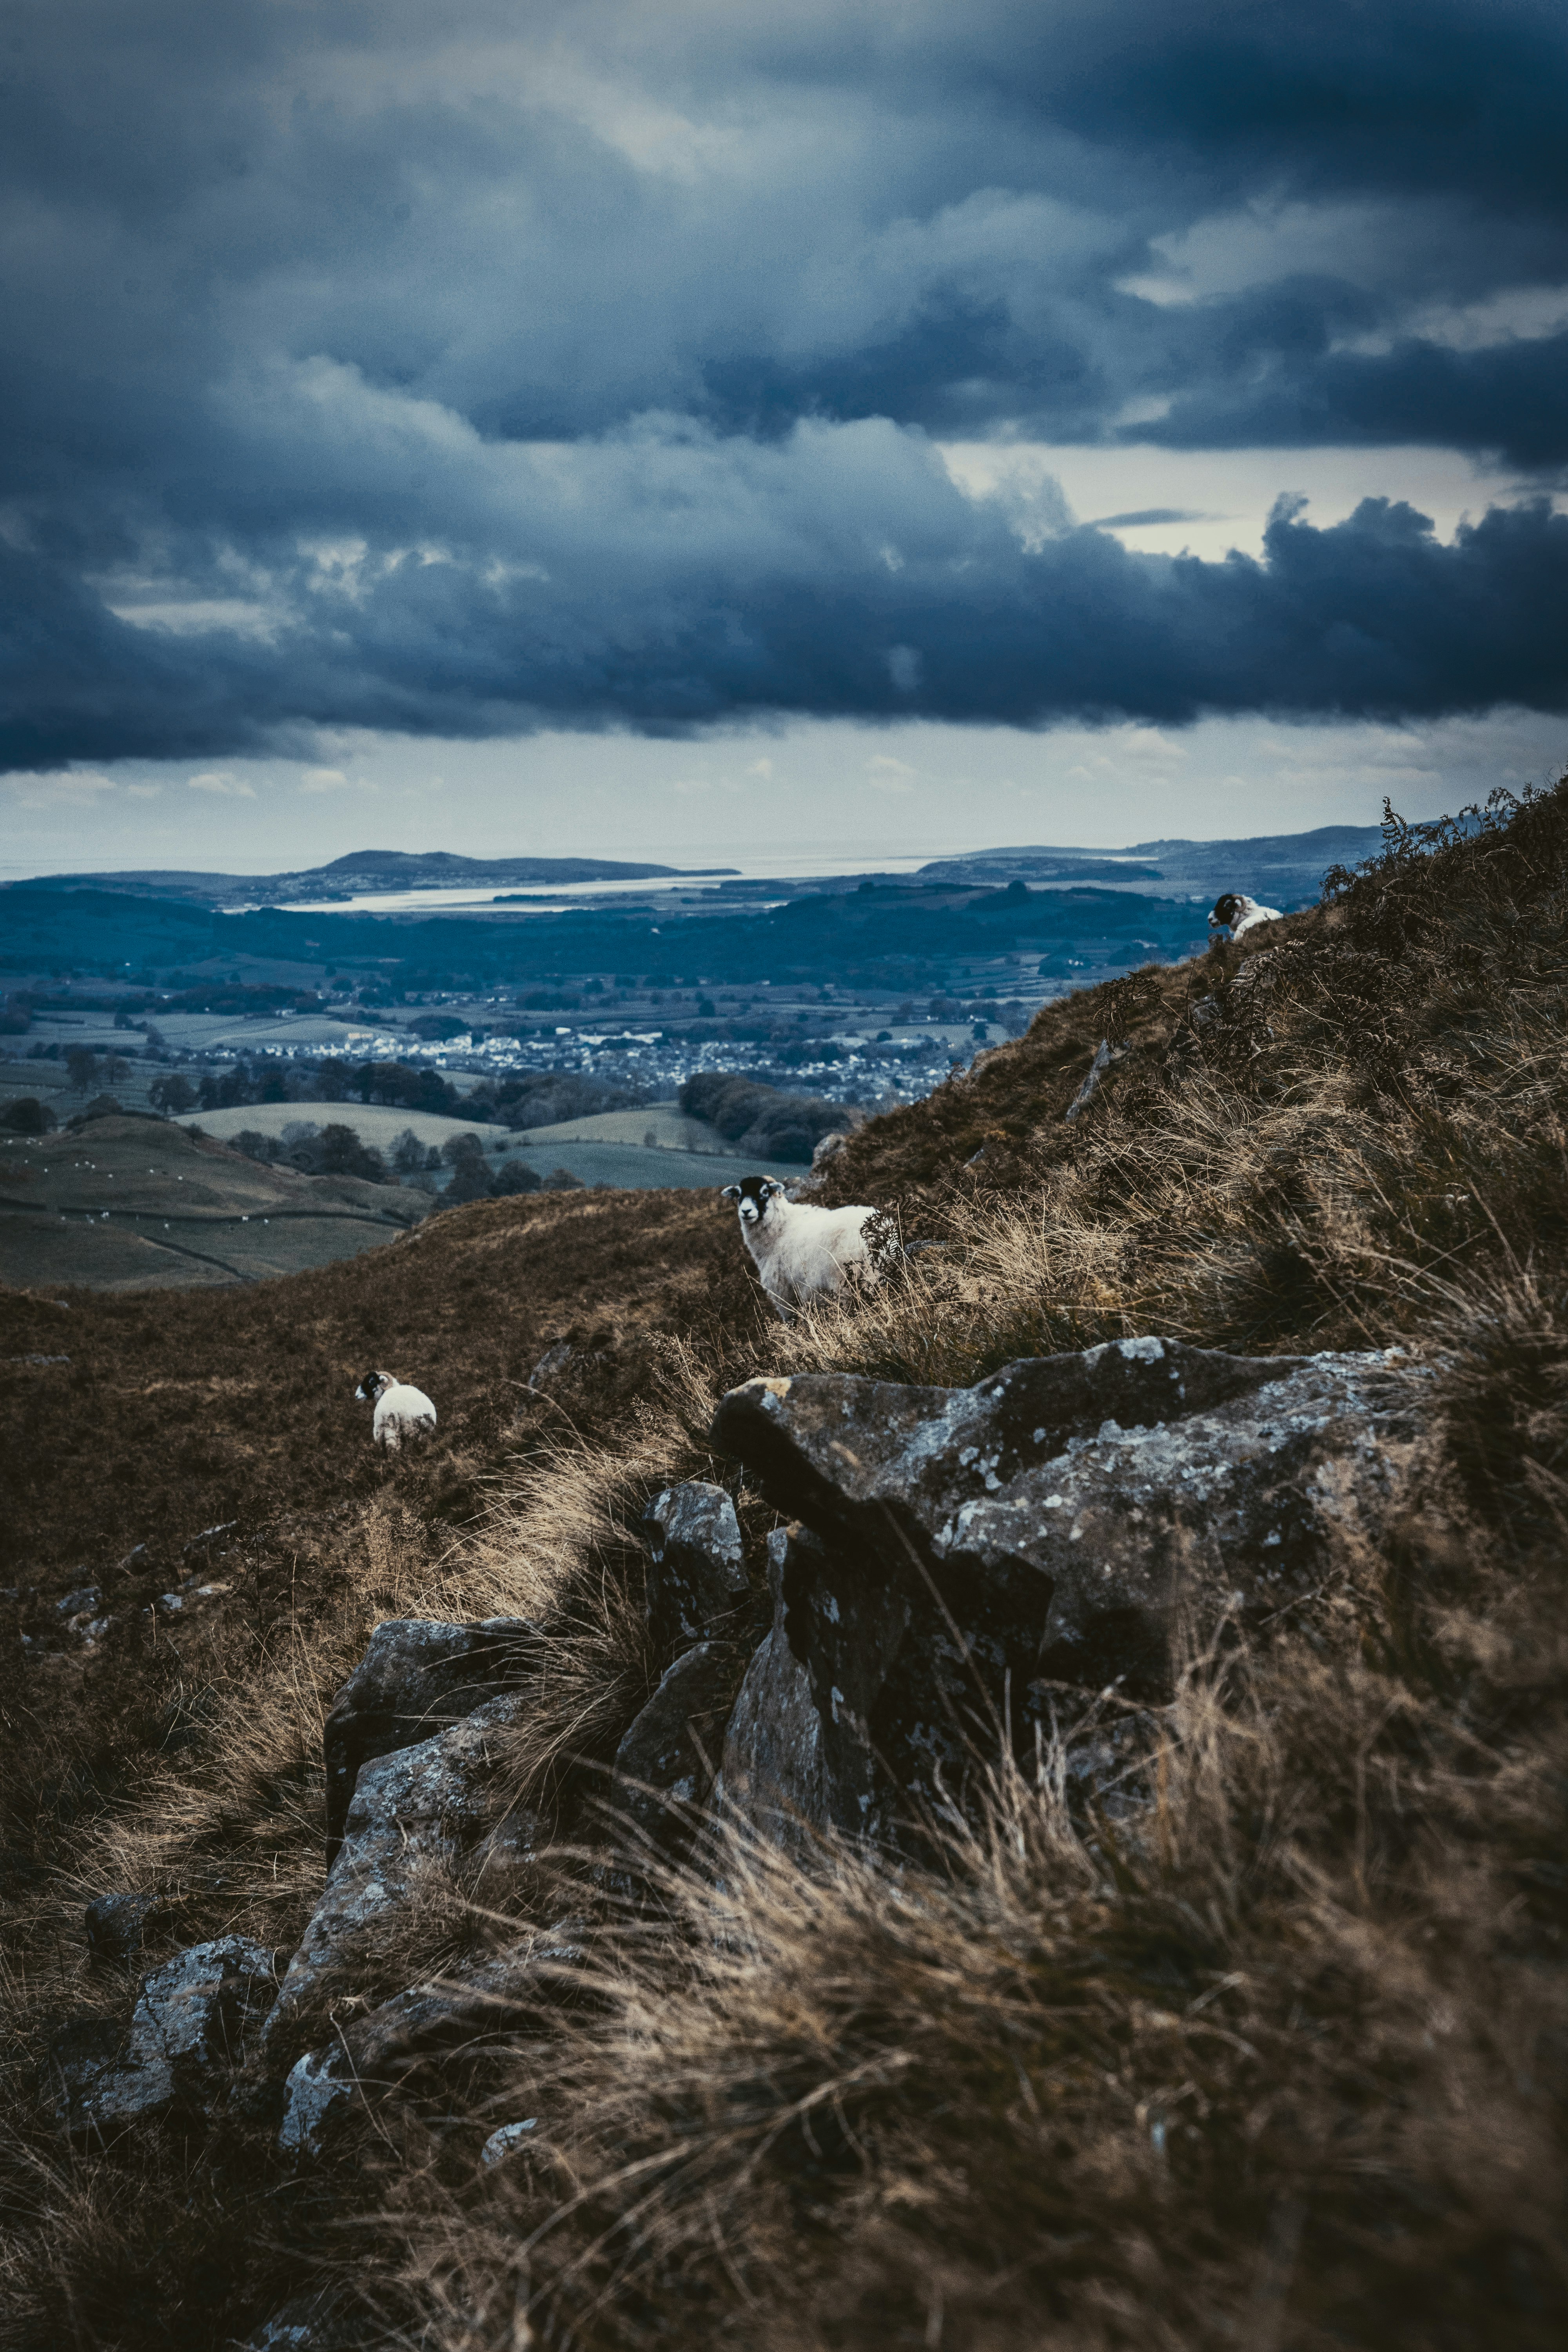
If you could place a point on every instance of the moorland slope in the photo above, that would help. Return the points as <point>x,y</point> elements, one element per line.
<point>1273,2057</point>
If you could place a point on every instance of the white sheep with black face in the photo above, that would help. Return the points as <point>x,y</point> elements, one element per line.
<point>800,1251</point>
<point>401,1412</point>
<point>1235,912</point>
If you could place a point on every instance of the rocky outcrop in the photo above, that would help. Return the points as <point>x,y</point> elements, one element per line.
<point>696,1583</point>
<point>416,1804</point>
<point>417,1674</point>
<point>959,1567</point>
<point>193,2021</point>
<point>1069,1520</point>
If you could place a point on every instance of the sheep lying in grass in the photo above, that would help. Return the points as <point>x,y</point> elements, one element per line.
<point>802,1252</point>
<point>1233,911</point>
<point>401,1411</point>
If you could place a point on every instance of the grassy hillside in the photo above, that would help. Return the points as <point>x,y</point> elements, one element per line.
<point>137,1203</point>
<point>1279,2064</point>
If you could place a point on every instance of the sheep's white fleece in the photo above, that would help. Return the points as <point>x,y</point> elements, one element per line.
<point>401,1411</point>
<point>1249,914</point>
<point>802,1252</point>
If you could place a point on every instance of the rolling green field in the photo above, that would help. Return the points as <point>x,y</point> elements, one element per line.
<point>374,1123</point>
<point>136,1203</point>
<point>607,1149</point>
<point>638,1168</point>
<point>133,1204</point>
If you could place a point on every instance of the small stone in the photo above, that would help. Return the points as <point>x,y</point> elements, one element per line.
<point>494,1995</point>
<point>317,2085</point>
<point>501,2143</point>
<point>224,1527</point>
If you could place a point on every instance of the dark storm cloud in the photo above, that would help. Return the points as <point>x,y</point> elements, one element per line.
<point>1508,400</point>
<point>1411,95</point>
<point>752,581</point>
<point>457,369</point>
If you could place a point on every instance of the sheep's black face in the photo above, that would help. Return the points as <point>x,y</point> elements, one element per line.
<point>1226,908</point>
<point>752,1196</point>
<point>371,1387</point>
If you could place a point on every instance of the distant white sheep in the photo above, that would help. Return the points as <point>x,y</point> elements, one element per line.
<point>802,1252</point>
<point>401,1411</point>
<point>1235,912</point>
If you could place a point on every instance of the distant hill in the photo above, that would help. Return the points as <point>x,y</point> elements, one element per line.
<point>365,870</point>
<point>1288,867</point>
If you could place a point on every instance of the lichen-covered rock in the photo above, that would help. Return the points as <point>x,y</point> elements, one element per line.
<point>698,1580</point>
<point>669,1754</point>
<point>1058,1522</point>
<point>430,1799</point>
<point>192,2023</point>
<point>417,1676</point>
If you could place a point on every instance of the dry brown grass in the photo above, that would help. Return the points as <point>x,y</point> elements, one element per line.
<point>1373,1113</point>
<point>1277,2062</point>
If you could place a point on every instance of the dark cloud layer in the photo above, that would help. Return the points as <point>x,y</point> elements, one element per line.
<point>465,368</point>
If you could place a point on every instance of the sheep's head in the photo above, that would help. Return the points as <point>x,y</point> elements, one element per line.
<point>1227,907</point>
<point>371,1387</point>
<point>752,1196</point>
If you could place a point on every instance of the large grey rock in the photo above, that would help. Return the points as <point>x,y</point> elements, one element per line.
<point>417,1676</point>
<point>696,1584</point>
<point>668,1756</point>
<point>493,1996</point>
<point>1060,1522</point>
<point>194,2020</point>
<point>428,1800</point>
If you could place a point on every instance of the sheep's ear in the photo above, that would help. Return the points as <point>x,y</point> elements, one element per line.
<point>731,1193</point>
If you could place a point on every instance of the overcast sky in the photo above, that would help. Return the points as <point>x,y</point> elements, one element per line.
<point>625,426</point>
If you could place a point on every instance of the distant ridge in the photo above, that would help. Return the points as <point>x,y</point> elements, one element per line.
<point>364,870</point>
<point>1288,867</point>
